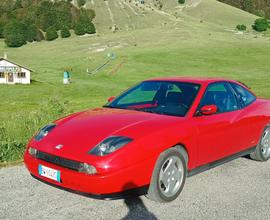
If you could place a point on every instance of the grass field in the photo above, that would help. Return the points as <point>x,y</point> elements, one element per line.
<point>186,47</point>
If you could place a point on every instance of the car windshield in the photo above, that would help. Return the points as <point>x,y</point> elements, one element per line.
<point>158,97</point>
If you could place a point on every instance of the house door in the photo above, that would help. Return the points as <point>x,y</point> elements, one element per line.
<point>10,78</point>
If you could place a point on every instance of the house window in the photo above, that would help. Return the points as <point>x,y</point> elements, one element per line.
<point>21,75</point>
<point>2,75</point>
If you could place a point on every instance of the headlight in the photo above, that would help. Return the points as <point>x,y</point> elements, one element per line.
<point>43,132</point>
<point>32,151</point>
<point>110,145</point>
<point>87,168</point>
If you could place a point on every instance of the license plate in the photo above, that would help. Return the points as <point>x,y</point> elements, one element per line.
<point>49,173</point>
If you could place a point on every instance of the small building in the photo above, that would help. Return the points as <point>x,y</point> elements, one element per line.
<point>12,73</point>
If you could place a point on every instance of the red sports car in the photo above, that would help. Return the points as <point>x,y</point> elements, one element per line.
<point>151,137</point>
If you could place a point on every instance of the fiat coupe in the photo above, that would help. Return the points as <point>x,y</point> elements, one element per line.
<point>151,137</point>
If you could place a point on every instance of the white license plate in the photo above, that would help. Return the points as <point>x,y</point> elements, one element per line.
<point>49,173</point>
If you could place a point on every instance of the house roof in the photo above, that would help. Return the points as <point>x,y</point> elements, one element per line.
<point>16,64</point>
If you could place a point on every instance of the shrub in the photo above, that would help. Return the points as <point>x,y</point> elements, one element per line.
<point>15,34</point>
<point>79,28</point>
<point>51,34</point>
<point>260,24</point>
<point>65,32</point>
<point>90,28</point>
<point>84,26</point>
<point>181,1</point>
<point>241,27</point>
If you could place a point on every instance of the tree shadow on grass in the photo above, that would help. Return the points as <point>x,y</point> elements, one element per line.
<point>137,209</point>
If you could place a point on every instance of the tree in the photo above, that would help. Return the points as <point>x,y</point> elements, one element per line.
<point>63,14</point>
<point>15,34</point>
<point>260,24</point>
<point>46,15</point>
<point>51,34</point>
<point>65,32</point>
<point>31,33</point>
<point>2,26</point>
<point>40,16</point>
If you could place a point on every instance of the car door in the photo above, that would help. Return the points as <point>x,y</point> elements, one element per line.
<point>218,134</point>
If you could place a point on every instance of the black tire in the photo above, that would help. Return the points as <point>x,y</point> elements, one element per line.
<point>259,154</point>
<point>156,191</point>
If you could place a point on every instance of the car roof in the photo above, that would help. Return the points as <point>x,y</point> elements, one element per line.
<point>197,80</point>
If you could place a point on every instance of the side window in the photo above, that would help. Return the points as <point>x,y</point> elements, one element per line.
<point>244,96</point>
<point>220,94</point>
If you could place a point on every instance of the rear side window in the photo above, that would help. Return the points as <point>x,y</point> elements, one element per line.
<point>244,96</point>
<point>221,95</point>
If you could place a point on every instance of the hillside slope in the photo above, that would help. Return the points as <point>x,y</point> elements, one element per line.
<point>220,13</point>
<point>131,15</point>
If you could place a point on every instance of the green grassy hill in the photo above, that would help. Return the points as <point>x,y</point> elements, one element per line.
<point>220,13</point>
<point>131,15</point>
<point>158,43</point>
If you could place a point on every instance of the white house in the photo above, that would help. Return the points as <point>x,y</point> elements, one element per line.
<point>12,73</point>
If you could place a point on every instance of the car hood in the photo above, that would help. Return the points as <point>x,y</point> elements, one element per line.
<point>83,131</point>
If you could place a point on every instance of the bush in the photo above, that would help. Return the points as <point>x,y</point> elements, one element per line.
<point>84,26</point>
<point>65,32</point>
<point>260,24</point>
<point>15,34</point>
<point>79,29</point>
<point>181,1</point>
<point>51,34</point>
<point>241,27</point>
<point>90,29</point>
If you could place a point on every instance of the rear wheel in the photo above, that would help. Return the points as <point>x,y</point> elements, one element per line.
<point>262,152</point>
<point>169,176</point>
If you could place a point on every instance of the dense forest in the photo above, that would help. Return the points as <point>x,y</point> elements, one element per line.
<point>257,7</point>
<point>23,21</point>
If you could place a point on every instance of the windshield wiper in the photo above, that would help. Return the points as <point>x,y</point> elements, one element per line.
<point>150,111</point>
<point>109,106</point>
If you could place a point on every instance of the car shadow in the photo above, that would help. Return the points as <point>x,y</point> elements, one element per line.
<point>136,207</point>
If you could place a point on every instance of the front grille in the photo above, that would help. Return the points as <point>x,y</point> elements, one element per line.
<point>60,161</point>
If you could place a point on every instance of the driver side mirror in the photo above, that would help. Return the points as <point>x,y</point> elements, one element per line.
<point>208,110</point>
<point>111,98</point>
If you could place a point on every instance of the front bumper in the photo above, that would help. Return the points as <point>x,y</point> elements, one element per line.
<point>109,185</point>
<point>119,195</point>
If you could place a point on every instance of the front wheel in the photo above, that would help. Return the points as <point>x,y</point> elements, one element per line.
<point>262,152</point>
<point>169,176</point>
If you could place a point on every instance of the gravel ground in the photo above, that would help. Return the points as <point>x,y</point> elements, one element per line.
<point>237,190</point>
